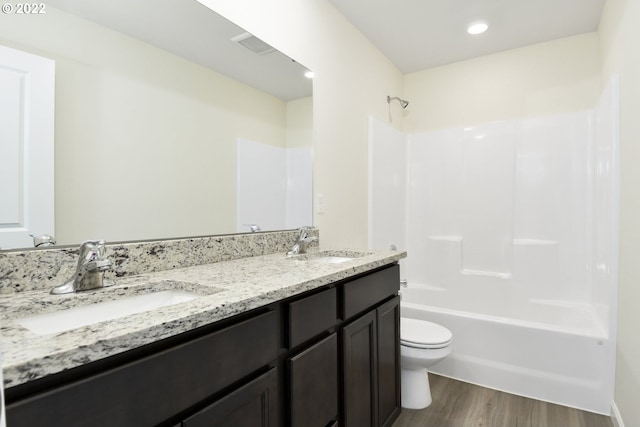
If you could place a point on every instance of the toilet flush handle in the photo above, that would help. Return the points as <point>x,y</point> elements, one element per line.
<point>403,285</point>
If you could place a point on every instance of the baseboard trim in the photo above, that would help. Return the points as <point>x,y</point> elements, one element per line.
<point>616,418</point>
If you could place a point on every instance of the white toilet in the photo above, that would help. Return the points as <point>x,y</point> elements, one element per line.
<point>422,344</point>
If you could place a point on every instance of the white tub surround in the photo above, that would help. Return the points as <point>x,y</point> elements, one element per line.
<point>511,228</point>
<point>273,186</point>
<point>548,352</point>
<point>227,288</point>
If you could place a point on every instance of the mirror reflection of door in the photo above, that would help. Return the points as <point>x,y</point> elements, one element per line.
<point>26,147</point>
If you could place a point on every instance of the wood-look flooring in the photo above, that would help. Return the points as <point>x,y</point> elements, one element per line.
<point>460,404</point>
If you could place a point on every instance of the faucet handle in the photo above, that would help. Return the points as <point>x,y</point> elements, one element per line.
<point>304,232</point>
<point>43,240</point>
<point>91,250</point>
<point>92,259</point>
<point>254,228</point>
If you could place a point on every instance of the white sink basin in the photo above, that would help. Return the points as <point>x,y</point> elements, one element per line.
<point>76,317</point>
<point>329,257</point>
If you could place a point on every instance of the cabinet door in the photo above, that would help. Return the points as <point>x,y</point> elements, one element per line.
<point>253,405</point>
<point>388,324</point>
<point>313,376</point>
<point>360,372</point>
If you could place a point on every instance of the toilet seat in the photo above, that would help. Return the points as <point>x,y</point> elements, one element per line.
<point>423,334</point>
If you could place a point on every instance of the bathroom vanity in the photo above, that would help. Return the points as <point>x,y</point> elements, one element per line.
<point>277,342</point>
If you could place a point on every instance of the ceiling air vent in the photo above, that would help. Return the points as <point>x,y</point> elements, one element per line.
<point>254,44</point>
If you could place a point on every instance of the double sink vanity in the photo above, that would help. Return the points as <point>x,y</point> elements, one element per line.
<point>215,331</point>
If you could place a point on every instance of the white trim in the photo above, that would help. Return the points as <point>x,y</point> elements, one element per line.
<point>370,182</point>
<point>616,418</point>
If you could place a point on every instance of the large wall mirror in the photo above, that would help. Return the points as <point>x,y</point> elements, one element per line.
<point>170,121</point>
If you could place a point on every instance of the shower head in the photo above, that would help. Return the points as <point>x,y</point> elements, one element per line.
<point>402,102</point>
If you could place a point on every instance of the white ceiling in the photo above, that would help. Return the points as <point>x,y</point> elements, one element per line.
<point>413,34</point>
<point>419,34</point>
<point>193,31</point>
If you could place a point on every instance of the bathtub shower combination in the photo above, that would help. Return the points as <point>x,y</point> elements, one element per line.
<point>511,230</point>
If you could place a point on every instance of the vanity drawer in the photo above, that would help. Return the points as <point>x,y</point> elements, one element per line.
<point>253,405</point>
<point>367,291</point>
<point>151,390</point>
<point>309,316</point>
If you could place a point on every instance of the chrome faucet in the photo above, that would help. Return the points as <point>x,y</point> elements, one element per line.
<point>254,228</point>
<point>43,240</point>
<point>302,242</point>
<point>90,270</point>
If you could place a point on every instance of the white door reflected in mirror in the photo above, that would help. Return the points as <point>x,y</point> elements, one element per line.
<point>26,147</point>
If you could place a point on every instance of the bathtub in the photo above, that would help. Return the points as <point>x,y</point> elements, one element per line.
<point>542,349</point>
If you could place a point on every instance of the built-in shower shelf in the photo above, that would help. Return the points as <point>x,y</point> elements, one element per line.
<point>456,239</point>
<point>498,274</point>
<point>534,242</point>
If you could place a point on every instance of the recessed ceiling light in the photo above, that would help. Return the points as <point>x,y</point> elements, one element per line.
<point>308,74</point>
<point>477,28</point>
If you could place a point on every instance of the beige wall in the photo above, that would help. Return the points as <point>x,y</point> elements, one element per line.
<point>352,80</point>
<point>145,140</point>
<point>557,76</point>
<point>619,32</point>
<point>300,123</point>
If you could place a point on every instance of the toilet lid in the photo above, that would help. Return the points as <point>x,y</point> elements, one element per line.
<point>422,334</point>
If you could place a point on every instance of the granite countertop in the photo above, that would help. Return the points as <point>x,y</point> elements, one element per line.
<point>225,288</point>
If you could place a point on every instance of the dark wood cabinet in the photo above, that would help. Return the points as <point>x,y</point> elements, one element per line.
<point>312,315</point>
<point>388,329</point>
<point>369,352</point>
<point>326,357</point>
<point>362,294</point>
<point>252,405</point>
<point>371,360</point>
<point>152,389</point>
<point>360,361</point>
<point>313,389</point>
